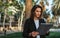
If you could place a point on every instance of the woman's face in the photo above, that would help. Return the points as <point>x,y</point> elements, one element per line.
<point>37,12</point>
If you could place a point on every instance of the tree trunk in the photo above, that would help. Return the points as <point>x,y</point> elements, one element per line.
<point>4,27</point>
<point>28,8</point>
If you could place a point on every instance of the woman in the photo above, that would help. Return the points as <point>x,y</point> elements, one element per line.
<point>32,24</point>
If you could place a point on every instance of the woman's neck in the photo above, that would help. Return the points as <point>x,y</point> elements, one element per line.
<point>35,18</point>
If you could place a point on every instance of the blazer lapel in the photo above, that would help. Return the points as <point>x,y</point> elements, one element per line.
<point>33,24</point>
<point>39,23</point>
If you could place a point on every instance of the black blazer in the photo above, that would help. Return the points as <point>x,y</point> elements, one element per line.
<point>29,26</point>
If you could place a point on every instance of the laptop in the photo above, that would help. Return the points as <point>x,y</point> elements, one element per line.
<point>44,28</point>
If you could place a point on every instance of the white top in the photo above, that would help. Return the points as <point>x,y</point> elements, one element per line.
<point>37,25</point>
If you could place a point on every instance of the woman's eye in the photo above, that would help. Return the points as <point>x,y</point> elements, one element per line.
<point>38,11</point>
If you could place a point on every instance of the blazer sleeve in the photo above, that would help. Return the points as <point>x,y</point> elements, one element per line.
<point>25,30</point>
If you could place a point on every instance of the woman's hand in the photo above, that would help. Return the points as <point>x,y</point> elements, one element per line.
<point>34,33</point>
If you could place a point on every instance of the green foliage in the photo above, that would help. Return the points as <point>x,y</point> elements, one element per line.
<point>56,7</point>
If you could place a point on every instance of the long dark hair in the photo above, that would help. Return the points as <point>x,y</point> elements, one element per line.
<point>33,11</point>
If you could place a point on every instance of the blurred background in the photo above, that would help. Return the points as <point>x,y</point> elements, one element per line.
<point>13,13</point>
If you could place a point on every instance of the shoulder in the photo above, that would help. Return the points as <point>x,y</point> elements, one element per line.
<point>28,20</point>
<point>43,20</point>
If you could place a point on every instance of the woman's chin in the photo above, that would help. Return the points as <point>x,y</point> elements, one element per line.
<point>37,17</point>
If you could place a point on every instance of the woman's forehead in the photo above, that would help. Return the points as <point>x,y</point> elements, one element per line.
<point>38,9</point>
